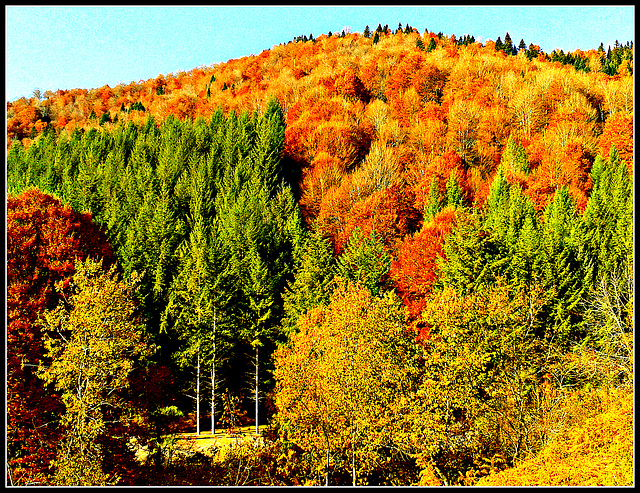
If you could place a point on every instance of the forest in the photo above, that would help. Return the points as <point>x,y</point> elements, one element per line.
<point>402,258</point>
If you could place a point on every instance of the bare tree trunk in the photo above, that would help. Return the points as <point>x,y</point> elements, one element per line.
<point>213,399</point>
<point>198,394</point>
<point>327,480</point>
<point>353,466</point>
<point>213,379</point>
<point>353,438</point>
<point>256,389</point>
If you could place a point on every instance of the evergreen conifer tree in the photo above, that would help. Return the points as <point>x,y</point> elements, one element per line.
<point>606,237</point>
<point>313,275</point>
<point>365,262</point>
<point>454,192</point>
<point>436,201</point>
<point>508,45</point>
<point>522,45</point>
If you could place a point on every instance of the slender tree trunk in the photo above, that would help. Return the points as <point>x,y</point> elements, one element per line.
<point>327,475</point>
<point>213,399</point>
<point>198,393</point>
<point>353,438</point>
<point>213,379</point>
<point>353,466</point>
<point>256,389</point>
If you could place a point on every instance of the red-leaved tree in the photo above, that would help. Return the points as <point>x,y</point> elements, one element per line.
<point>415,270</point>
<point>44,240</point>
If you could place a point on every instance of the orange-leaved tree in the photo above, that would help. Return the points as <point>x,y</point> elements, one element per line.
<point>415,270</point>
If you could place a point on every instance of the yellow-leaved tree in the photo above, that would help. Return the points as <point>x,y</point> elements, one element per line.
<point>482,403</point>
<point>93,338</point>
<point>344,382</point>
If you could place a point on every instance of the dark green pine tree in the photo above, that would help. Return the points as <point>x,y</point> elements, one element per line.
<point>514,157</point>
<point>520,209</point>
<point>497,203</point>
<point>453,192</point>
<point>522,45</point>
<point>507,213</point>
<point>559,267</point>
<point>420,44</point>
<point>606,237</point>
<point>508,47</point>
<point>532,52</point>
<point>432,45</point>
<point>245,231</point>
<point>18,169</point>
<point>436,201</point>
<point>313,276</point>
<point>365,261</point>
<point>266,154</point>
<point>195,313</point>
<point>524,255</point>
<point>164,235</point>
<point>376,38</point>
<point>499,45</point>
<point>366,33</point>
<point>473,256</point>
<point>256,224</point>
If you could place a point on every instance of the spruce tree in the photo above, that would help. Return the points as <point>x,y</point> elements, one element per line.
<point>522,45</point>
<point>514,157</point>
<point>453,192</point>
<point>436,201</point>
<point>508,45</point>
<point>559,266</point>
<point>365,262</point>
<point>606,237</point>
<point>313,275</point>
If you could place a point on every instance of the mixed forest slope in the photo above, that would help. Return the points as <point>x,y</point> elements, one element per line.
<point>451,219</point>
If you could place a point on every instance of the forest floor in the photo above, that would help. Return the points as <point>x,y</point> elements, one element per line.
<point>185,444</point>
<point>221,437</point>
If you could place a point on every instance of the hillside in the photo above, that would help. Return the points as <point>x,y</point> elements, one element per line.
<point>411,255</point>
<point>404,92</point>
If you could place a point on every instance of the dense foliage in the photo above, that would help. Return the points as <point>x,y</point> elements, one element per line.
<point>411,255</point>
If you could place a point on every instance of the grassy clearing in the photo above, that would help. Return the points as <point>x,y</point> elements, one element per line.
<point>221,437</point>
<point>185,444</point>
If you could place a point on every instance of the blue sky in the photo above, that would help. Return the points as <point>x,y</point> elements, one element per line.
<point>52,48</point>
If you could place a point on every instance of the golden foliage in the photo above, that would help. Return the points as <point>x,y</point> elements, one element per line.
<point>595,452</point>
